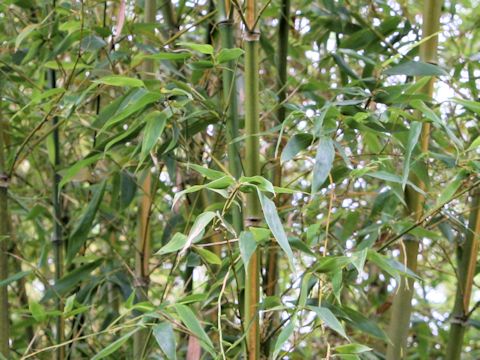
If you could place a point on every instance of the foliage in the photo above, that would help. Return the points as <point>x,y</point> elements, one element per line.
<point>348,148</point>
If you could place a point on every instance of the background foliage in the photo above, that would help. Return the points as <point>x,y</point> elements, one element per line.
<point>347,148</point>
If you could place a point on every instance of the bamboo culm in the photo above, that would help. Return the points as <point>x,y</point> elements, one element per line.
<point>402,302</point>
<point>230,98</point>
<point>4,241</point>
<point>252,213</point>
<point>466,272</point>
<point>282,61</point>
<point>142,253</point>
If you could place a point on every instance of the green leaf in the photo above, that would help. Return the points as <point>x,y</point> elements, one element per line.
<point>475,144</point>
<point>155,124</point>
<point>274,223</point>
<point>257,181</point>
<point>247,246</point>
<point>329,319</point>
<point>37,310</point>
<point>297,143</point>
<point>174,56</point>
<point>69,173</point>
<point>188,318</point>
<point>165,337</point>
<point>352,349</point>
<point>82,229</point>
<point>416,68</point>
<point>413,136</point>
<point>202,48</point>
<point>27,30</point>
<point>283,337</point>
<point>208,173</point>
<point>473,106</point>
<point>226,55</point>
<point>177,243</point>
<point>358,259</point>
<point>114,346</point>
<point>449,191</point>
<point>391,266</point>
<point>118,80</point>
<point>323,163</point>
<point>198,228</point>
<point>14,277</point>
<point>136,103</point>
<point>71,280</point>
<point>208,256</point>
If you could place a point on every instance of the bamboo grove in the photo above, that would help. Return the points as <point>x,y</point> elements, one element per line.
<point>225,179</point>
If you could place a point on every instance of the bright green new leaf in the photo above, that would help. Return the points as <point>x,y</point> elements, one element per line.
<point>201,48</point>
<point>118,80</point>
<point>226,55</point>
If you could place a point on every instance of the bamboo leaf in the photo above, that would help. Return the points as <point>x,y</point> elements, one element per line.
<point>247,246</point>
<point>208,256</point>
<point>118,80</point>
<point>188,318</point>
<point>201,48</point>
<point>413,136</point>
<point>198,228</point>
<point>416,68</point>
<point>82,229</point>
<point>283,337</point>
<point>329,319</point>
<point>37,310</point>
<point>71,280</point>
<point>177,243</point>
<point>165,337</point>
<point>14,277</point>
<point>114,346</point>
<point>273,221</point>
<point>352,349</point>
<point>295,144</point>
<point>155,124</point>
<point>323,163</point>
<point>226,55</point>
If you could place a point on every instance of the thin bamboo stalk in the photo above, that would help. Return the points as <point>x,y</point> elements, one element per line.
<point>466,272</point>
<point>57,236</point>
<point>402,303</point>
<point>272,257</point>
<point>252,211</point>
<point>143,246</point>
<point>230,98</point>
<point>4,241</point>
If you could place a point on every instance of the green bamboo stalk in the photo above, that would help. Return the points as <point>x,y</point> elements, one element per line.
<point>252,211</point>
<point>272,256</point>
<point>57,236</point>
<point>230,98</point>
<point>402,303</point>
<point>143,246</point>
<point>4,240</point>
<point>466,272</point>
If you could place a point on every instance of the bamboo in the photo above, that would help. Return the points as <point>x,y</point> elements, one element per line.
<point>402,302</point>
<point>252,211</point>
<point>143,251</point>
<point>230,98</point>
<point>57,236</point>
<point>4,240</point>
<point>272,257</point>
<point>466,272</point>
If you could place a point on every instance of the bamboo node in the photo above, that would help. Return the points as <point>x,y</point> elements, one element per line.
<point>459,320</point>
<point>252,221</point>
<point>141,282</point>
<point>57,241</point>
<point>225,22</point>
<point>4,181</point>
<point>252,35</point>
